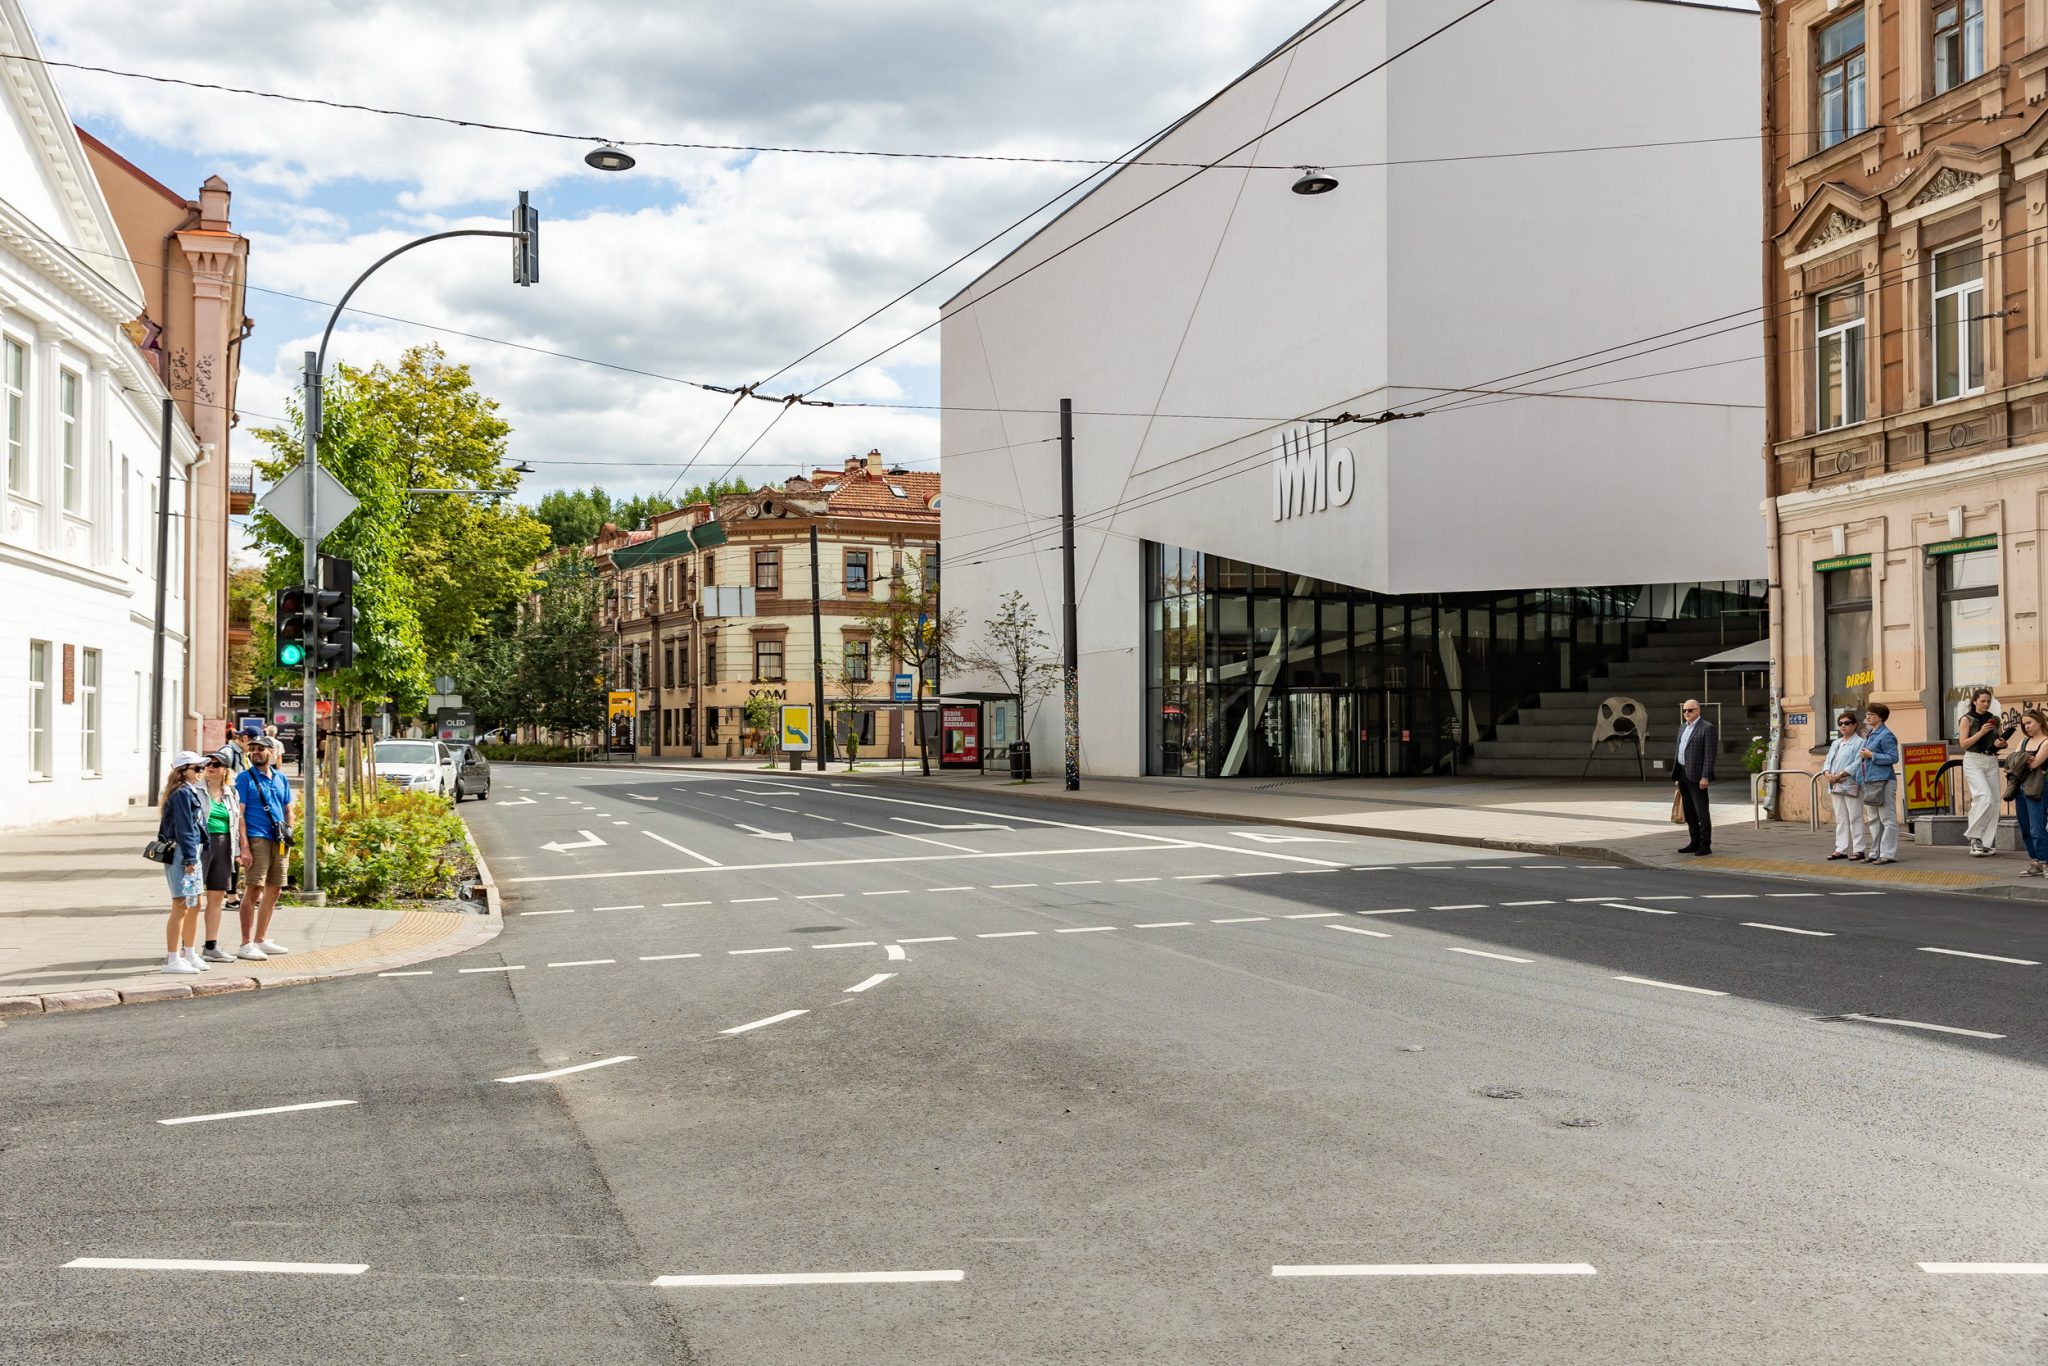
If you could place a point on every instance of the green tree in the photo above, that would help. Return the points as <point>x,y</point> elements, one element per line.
<point>906,625</point>
<point>1015,650</point>
<point>574,517</point>
<point>560,653</point>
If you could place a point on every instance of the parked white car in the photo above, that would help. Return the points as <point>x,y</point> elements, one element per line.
<point>416,765</point>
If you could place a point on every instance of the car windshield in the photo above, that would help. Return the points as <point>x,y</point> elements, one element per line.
<point>404,752</point>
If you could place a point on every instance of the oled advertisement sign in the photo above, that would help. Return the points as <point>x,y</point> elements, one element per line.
<point>960,736</point>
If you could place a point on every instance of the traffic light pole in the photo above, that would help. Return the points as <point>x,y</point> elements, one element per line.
<point>525,270</point>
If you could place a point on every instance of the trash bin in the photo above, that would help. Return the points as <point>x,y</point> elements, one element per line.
<point>1020,761</point>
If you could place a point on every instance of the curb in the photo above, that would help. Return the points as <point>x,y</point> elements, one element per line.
<point>474,930</point>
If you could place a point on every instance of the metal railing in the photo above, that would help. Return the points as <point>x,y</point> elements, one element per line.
<point>1756,794</point>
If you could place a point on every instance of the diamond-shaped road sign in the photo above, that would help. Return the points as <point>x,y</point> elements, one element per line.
<point>287,503</point>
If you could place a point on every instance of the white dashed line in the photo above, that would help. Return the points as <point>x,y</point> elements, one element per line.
<point>583,963</point>
<point>1855,893</point>
<point>1786,896</point>
<point>1390,910</point>
<point>1679,896</point>
<point>1445,1269</point>
<point>931,939</point>
<point>664,957</point>
<point>672,905</point>
<point>1528,903</point>
<point>1482,953</point>
<point>900,891</point>
<point>951,889</point>
<point>1355,929</point>
<point>1312,915</point>
<point>1006,934</point>
<point>737,952</point>
<point>513,967</point>
<point>1240,919</point>
<point>1163,925</point>
<point>421,972</point>
<point>198,1264</point>
<point>1731,896</point>
<point>565,1071</point>
<point>751,900</point>
<point>1788,929</point>
<point>762,1024</point>
<point>850,944</point>
<point>811,1278</point>
<point>1669,986</point>
<point>267,1110</point>
<point>618,908</point>
<point>1139,879</point>
<point>822,896</point>
<point>547,913</point>
<point>1984,1268</point>
<point>1462,906</point>
<point>1646,910</point>
<point>1085,929</point>
<point>1986,957</point>
<point>1010,886</point>
<point>1917,1024</point>
<point>1195,877</point>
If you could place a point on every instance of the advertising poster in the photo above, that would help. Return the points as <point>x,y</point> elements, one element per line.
<point>960,736</point>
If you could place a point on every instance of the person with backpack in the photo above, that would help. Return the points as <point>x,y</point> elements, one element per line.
<point>183,826</point>
<point>267,819</point>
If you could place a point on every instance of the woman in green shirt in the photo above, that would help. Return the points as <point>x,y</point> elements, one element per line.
<point>227,845</point>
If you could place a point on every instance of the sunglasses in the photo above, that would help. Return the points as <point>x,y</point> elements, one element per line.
<point>215,763</point>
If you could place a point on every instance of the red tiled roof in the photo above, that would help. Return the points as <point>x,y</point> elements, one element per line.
<point>861,494</point>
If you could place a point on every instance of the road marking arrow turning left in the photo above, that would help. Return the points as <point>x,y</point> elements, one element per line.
<point>589,841</point>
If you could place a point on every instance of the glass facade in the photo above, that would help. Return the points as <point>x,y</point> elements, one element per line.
<point>1256,672</point>
<point>1851,654</point>
<point>1970,627</point>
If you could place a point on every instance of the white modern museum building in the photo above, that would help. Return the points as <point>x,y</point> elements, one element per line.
<point>1539,253</point>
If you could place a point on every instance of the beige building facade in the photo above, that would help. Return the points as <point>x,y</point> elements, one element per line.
<point>1905,279</point>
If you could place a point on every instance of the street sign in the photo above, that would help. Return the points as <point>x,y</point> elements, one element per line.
<point>444,683</point>
<point>900,686</point>
<point>287,503</point>
<point>1926,789</point>
<point>796,728</point>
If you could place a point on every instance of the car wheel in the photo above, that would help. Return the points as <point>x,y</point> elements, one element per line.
<point>484,795</point>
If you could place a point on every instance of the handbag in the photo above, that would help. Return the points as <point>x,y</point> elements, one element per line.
<point>162,849</point>
<point>1677,807</point>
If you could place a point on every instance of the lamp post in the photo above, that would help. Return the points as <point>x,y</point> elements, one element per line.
<point>525,231</point>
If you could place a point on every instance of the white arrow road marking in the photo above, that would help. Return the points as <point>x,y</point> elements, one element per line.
<point>518,801</point>
<point>895,952</point>
<point>590,841</point>
<point>565,1071</point>
<point>197,1264</point>
<point>934,825</point>
<point>638,798</point>
<point>873,981</point>
<point>681,850</point>
<point>1264,838</point>
<point>759,833</point>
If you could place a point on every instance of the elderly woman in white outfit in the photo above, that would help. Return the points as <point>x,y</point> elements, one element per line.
<point>1980,737</point>
<point>1851,836</point>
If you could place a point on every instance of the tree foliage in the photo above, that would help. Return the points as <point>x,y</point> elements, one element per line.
<point>574,517</point>
<point>906,624</point>
<point>1016,651</point>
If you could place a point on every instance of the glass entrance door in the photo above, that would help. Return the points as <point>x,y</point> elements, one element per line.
<point>1321,733</point>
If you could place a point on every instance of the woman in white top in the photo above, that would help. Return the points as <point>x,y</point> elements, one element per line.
<point>1839,771</point>
<point>1978,736</point>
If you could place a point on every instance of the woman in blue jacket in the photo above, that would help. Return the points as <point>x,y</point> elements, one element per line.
<point>184,824</point>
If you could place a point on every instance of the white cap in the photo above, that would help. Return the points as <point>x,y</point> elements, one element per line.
<point>188,758</point>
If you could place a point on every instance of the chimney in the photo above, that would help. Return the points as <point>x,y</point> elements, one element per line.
<point>874,462</point>
<point>852,464</point>
<point>213,204</point>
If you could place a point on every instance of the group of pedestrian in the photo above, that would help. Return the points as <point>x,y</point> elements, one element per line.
<point>2001,763</point>
<point>224,812</point>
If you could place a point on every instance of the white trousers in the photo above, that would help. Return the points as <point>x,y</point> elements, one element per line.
<point>1849,836</point>
<point>1981,779</point>
<point>1882,818</point>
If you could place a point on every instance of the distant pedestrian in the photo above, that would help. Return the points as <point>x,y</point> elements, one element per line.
<point>227,848</point>
<point>1698,739</point>
<point>237,755</point>
<point>2027,784</point>
<point>267,816</point>
<point>1839,771</point>
<point>1877,771</point>
<point>1979,737</point>
<point>183,823</point>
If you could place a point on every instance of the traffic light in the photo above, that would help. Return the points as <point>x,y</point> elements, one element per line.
<point>526,248</point>
<point>291,618</point>
<point>335,627</point>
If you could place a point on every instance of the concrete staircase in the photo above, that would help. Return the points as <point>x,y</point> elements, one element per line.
<point>1551,738</point>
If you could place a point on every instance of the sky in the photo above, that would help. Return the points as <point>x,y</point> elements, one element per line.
<point>714,266</point>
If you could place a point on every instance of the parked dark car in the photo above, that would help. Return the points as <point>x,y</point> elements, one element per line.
<point>472,773</point>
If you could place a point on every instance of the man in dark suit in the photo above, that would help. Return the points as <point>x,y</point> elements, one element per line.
<point>1697,742</point>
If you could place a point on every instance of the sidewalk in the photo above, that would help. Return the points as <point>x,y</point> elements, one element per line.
<point>83,926</point>
<point>1623,821</point>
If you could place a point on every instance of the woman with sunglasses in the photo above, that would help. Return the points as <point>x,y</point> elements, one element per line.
<point>183,823</point>
<point>1979,736</point>
<point>227,845</point>
<point>1839,770</point>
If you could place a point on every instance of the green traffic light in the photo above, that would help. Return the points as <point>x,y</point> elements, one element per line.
<point>291,654</point>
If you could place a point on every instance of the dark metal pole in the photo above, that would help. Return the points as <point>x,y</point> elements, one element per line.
<point>163,569</point>
<point>309,575</point>
<point>1067,614</point>
<point>818,727</point>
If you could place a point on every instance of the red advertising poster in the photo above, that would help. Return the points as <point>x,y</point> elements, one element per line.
<point>960,737</point>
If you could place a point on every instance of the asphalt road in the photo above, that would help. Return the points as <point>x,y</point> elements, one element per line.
<point>1031,1085</point>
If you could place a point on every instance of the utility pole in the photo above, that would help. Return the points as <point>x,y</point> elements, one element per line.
<point>1067,614</point>
<point>309,574</point>
<point>163,569</point>
<point>818,726</point>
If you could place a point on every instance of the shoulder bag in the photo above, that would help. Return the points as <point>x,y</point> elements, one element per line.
<point>163,849</point>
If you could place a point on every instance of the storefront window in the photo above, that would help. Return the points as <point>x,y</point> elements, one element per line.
<point>1970,654</point>
<point>1850,658</point>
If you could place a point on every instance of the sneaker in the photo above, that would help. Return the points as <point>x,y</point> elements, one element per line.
<point>2032,870</point>
<point>192,956</point>
<point>176,965</point>
<point>215,955</point>
<point>252,952</point>
<point>271,948</point>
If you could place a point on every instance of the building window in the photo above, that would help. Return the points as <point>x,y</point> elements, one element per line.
<point>767,571</point>
<point>127,524</point>
<point>1850,658</point>
<point>683,661</point>
<point>856,571</point>
<point>1958,44</point>
<point>768,659</point>
<point>668,665</point>
<point>14,378</point>
<point>39,709</point>
<point>668,585</point>
<point>1958,320</point>
<point>857,662</point>
<point>68,390</point>
<point>1840,80</point>
<point>89,712</point>
<point>710,661</point>
<point>931,567</point>
<point>1838,368</point>
<point>710,569</point>
<point>1970,653</point>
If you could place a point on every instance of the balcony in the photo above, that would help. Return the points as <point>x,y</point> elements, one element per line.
<point>241,489</point>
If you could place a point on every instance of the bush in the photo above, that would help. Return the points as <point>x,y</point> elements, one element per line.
<point>530,754</point>
<point>397,845</point>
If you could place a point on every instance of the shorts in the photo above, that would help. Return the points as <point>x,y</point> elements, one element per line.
<point>184,887</point>
<point>267,859</point>
<point>218,867</point>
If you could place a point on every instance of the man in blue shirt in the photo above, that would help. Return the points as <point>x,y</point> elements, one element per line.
<point>1876,774</point>
<point>266,799</point>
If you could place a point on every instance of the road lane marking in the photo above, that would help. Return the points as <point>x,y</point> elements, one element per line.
<point>849,944</point>
<point>751,900</point>
<point>737,952</point>
<point>1918,1024</point>
<point>1445,1269</point>
<point>421,972</point>
<point>199,1264</point>
<point>1311,915</point>
<point>672,905</point>
<point>762,1024</point>
<point>1731,896</point>
<point>1675,896</point>
<point>663,839</point>
<point>1855,893</point>
<point>873,981</point>
<point>618,908</point>
<point>1789,895</point>
<point>1390,910</point>
<point>1085,929</point>
<point>1162,925</point>
<point>1200,877</point>
<point>664,957</point>
<point>1462,906</point>
<point>895,953</point>
<point>1241,919</point>
<point>848,862</point>
<point>1788,929</point>
<point>547,913</point>
<point>510,967</point>
<point>583,962</point>
<point>1583,900</point>
<point>1669,986</point>
<point>565,1071</point>
<point>950,889</point>
<point>1529,903</point>
<point>1984,1268</point>
<point>1081,882</point>
<point>1482,953</point>
<point>821,896</point>
<point>810,1278</point>
<point>1646,910</point>
<point>622,822</point>
<point>1006,934</point>
<point>1138,879</point>
<point>897,891</point>
<point>1357,929</point>
<point>921,839</point>
<point>267,1110</point>
<point>931,939</point>
<point>1986,957</point>
<point>1010,886</point>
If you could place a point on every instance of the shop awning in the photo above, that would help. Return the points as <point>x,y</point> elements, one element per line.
<point>700,537</point>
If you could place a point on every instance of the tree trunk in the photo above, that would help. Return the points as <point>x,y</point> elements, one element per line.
<point>924,752</point>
